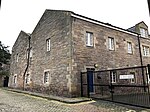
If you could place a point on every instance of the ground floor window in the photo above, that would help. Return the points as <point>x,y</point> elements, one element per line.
<point>27,79</point>
<point>15,79</point>
<point>46,77</point>
<point>113,76</point>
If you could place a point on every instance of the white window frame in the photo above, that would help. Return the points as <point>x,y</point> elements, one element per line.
<point>46,79</point>
<point>48,44</point>
<point>89,39</point>
<point>15,79</point>
<point>113,76</point>
<point>145,50</point>
<point>111,43</point>
<point>143,32</point>
<point>27,81</point>
<point>129,47</point>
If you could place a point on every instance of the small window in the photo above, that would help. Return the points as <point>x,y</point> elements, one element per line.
<point>111,44</point>
<point>143,32</point>
<point>89,39</point>
<point>17,57</point>
<point>145,51</point>
<point>48,44</point>
<point>113,76</point>
<point>46,77</point>
<point>129,45</point>
<point>27,79</point>
<point>132,79</point>
<point>15,79</point>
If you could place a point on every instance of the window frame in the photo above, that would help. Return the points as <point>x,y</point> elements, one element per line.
<point>113,77</point>
<point>143,32</point>
<point>146,50</point>
<point>46,78</point>
<point>89,39</point>
<point>27,81</point>
<point>129,47</point>
<point>111,43</point>
<point>15,79</point>
<point>48,44</point>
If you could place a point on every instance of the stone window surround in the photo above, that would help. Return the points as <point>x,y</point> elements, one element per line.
<point>15,79</point>
<point>143,32</point>
<point>48,44</point>
<point>48,78</point>
<point>111,43</point>
<point>89,39</point>
<point>129,47</point>
<point>144,47</point>
<point>27,80</point>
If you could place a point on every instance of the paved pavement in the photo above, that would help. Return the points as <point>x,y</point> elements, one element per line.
<point>19,102</point>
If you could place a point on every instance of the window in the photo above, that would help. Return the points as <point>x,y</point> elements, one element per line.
<point>113,77</point>
<point>17,57</point>
<point>89,39</point>
<point>145,50</point>
<point>46,77</point>
<point>15,79</point>
<point>132,79</point>
<point>48,44</point>
<point>129,44</point>
<point>111,45</point>
<point>27,79</point>
<point>143,32</point>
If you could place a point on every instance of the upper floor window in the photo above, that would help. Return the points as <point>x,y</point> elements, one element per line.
<point>129,45</point>
<point>111,44</point>
<point>89,39</point>
<point>145,50</point>
<point>113,77</point>
<point>46,77</point>
<point>17,57</point>
<point>143,32</point>
<point>48,44</point>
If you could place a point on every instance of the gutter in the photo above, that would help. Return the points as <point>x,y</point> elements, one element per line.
<point>28,61</point>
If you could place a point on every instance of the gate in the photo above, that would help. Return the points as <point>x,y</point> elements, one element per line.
<point>125,85</point>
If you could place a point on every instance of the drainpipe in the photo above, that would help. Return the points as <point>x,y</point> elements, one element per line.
<point>141,60</point>
<point>139,43</point>
<point>28,61</point>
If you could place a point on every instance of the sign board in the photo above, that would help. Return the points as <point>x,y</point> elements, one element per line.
<point>131,76</point>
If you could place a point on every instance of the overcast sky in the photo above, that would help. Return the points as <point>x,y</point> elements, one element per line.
<point>17,15</point>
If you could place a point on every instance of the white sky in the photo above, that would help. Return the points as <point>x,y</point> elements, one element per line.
<point>17,15</point>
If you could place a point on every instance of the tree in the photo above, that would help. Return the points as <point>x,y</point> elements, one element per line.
<point>4,59</point>
<point>4,54</point>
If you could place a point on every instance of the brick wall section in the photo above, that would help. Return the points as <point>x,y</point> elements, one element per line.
<point>20,48</point>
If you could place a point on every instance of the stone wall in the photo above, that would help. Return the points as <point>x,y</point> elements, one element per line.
<point>18,68</point>
<point>85,57</point>
<point>55,25</point>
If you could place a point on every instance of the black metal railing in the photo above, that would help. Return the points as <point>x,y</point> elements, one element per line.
<point>124,85</point>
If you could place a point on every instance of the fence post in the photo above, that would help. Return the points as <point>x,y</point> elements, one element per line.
<point>81,85</point>
<point>88,86</point>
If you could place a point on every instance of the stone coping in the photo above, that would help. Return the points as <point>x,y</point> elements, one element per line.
<point>52,97</point>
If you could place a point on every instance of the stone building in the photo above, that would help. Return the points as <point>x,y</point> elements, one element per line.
<point>50,59</point>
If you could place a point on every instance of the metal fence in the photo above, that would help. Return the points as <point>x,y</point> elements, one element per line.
<point>124,85</point>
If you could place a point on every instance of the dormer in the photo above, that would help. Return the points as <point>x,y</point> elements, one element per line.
<point>140,28</point>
